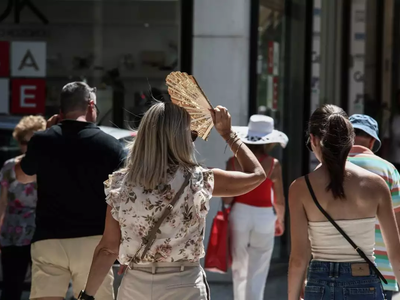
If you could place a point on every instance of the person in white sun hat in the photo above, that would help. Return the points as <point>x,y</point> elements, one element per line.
<point>253,221</point>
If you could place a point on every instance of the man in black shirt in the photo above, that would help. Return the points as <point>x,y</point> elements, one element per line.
<point>70,162</point>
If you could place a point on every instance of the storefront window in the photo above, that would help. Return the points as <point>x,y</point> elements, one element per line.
<point>270,58</point>
<point>121,47</point>
<point>285,73</point>
<point>315,68</point>
<point>270,68</point>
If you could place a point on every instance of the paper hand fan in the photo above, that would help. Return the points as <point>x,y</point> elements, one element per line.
<point>186,92</point>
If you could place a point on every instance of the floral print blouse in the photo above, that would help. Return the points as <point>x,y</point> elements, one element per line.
<point>180,237</point>
<point>19,217</point>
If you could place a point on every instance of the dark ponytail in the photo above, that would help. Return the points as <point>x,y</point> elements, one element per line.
<point>330,123</point>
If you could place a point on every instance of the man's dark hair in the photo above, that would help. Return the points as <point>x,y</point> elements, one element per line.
<point>361,133</point>
<point>75,96</point>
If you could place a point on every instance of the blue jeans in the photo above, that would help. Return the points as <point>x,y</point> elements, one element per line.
<point>334,281</point>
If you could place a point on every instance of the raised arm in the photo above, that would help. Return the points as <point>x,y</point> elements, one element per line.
<point>300,245</point>
<point>231,183</point>
<point>229,167</point>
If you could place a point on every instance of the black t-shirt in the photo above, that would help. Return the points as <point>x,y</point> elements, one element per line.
<point>71,161</point>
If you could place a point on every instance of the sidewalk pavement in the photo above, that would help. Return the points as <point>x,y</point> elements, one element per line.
<point>276,288</point>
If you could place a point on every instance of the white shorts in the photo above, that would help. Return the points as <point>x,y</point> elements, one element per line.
<point>58,261</point>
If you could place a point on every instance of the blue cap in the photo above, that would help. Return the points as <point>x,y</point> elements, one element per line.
<point>369,126</point>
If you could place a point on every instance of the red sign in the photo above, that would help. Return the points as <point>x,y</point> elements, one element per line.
<point>28,96</point>
<point>275,93</point>
<point>270,57</point>
<point>4,59</point>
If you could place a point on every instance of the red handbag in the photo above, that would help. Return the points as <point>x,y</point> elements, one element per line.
<point>218,257</point>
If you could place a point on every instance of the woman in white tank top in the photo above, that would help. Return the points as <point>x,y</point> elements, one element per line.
<point>353,198</point>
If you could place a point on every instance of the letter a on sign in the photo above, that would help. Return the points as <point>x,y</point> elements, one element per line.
<point>28,62</point>
<point>28,59</point>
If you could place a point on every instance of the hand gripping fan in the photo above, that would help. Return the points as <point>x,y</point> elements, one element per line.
<point>186,92</point>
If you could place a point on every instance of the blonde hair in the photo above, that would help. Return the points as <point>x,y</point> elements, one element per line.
<point>163,141</point>
<point>28,124</point>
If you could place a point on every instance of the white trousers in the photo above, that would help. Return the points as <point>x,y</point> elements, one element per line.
<point>252,243</point>
<point>165,284</point>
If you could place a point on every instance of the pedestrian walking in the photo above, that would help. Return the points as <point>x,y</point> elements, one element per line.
<point>17,212</point>
<point>252,219</point>
<point>70,160</point>
<point>367,142</point>
<point>333,211</point>
<point>158,206</point>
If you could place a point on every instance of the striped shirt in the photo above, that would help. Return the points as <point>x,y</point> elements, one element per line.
<point>366,159</point>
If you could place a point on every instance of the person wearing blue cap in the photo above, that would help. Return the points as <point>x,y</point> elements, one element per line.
<point>366,143</point>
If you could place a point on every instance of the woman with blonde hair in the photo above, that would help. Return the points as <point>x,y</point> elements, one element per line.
<point>253,221</point>
<point>158,206</point>
<point>333,212</point>
<point>17,210</point>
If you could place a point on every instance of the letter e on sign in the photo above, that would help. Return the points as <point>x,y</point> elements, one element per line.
<point>28,59</point>
<point>4,59</point>
<point>28,96</point>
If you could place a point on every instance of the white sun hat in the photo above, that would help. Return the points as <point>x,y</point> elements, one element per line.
<point>261,131</point>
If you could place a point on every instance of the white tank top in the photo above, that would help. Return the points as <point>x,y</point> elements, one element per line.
<point>327,244</point>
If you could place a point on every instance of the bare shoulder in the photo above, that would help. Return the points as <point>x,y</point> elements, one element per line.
<point>271,163</point>
<point>277,164</point>
<point>369,181</point>
<point>375,182</point>
<point>297,188</point>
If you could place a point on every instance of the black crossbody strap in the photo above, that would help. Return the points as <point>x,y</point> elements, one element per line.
<point>359,251</point>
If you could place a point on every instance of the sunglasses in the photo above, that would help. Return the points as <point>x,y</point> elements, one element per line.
<point>194,135</point>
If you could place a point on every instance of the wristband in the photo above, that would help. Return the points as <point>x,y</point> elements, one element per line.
<point>84,296</point>
<point>232,135</point>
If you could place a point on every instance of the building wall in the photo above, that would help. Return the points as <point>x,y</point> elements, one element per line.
<point>220,64</point>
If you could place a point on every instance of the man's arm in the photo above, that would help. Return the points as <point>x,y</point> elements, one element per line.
<point>118,155</point>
